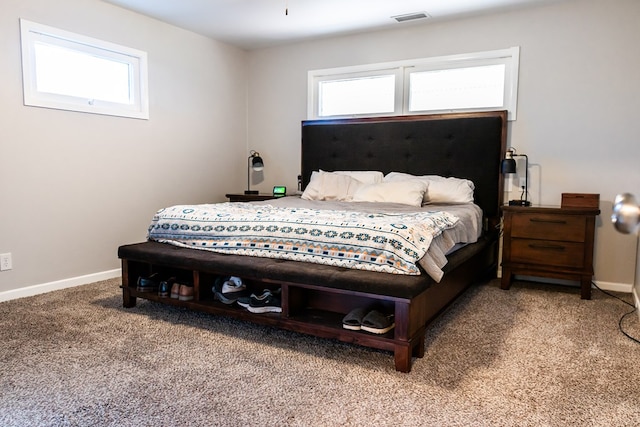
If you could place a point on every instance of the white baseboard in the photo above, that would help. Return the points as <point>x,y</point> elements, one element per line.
<point>615,287</point>
<point>607,286</point>
<point>636,299</point>
<point>59,284</point>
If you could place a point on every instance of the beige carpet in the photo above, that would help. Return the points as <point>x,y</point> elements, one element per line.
<point>531,356</point>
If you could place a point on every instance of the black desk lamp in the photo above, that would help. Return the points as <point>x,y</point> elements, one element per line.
<point>509,166</point>
<point>254,162</point>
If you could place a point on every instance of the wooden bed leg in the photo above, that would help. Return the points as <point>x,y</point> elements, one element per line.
<point>128,300</point>
<point>402,356</point>
<point>418,349</point>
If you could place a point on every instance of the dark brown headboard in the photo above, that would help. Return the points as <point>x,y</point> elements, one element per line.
<point>464,145</point>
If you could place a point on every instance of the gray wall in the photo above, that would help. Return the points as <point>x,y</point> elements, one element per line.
<point>75,186</point>
<point>579,93</point>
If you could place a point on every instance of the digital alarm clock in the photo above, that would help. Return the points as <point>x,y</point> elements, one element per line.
<point>279,191</point>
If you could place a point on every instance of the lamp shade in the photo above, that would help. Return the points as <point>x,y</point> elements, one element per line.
<point>508,165</point>
<point>256,163</point>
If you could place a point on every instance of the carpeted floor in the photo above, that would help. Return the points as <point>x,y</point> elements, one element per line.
<point>530,356</point>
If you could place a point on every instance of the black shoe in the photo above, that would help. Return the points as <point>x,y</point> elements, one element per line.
<point>148,284</point>
<point>265,303</point>
<point>245,301</point>
<point>165,287</point>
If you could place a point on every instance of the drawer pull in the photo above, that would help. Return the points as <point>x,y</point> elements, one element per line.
<point>547,247</point>
<point>552,221</point>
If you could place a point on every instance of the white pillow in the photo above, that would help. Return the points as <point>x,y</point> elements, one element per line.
<point>330,186</point>
<point>440,189</point>
<point>366,177</point>
<point>409,192</point>
<point>314,187</point>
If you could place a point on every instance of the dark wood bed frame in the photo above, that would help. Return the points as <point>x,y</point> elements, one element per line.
<point>315,297</point>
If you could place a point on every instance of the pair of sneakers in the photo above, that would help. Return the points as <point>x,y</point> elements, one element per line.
<point>267,302</point>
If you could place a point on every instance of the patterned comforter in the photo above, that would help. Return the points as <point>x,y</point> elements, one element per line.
<point>383,242</point>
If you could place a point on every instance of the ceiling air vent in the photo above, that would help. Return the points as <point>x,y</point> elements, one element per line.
<point>411,16</point>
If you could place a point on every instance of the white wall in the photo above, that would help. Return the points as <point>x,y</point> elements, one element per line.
<point>75,186</point>
<point>578,100</point>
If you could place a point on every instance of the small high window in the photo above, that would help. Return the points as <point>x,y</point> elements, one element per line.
<point>68,71</point>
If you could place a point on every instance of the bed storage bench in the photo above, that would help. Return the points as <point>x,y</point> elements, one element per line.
<point>315,297</point>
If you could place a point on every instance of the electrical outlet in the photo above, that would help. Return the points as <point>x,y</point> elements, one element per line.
<point>5,262</point>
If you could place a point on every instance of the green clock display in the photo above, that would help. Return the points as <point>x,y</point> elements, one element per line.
<point>279,191</point>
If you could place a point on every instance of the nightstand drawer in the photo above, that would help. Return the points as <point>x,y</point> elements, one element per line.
<point>570,228</point>
<point>549,253</point>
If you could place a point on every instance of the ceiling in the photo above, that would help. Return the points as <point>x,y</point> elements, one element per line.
<point>253,24</point>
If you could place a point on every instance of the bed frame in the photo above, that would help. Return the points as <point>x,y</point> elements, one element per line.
<point>316,297</point>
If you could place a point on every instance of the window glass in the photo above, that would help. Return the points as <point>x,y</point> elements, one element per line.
<point>67,72</point>
<point>363,95</point>
<point>458,88</point>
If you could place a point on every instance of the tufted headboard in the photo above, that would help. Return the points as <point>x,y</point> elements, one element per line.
<point>464,145</point>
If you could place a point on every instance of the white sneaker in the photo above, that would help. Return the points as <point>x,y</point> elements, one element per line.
<point>233,284</point>
<point>231,290</point>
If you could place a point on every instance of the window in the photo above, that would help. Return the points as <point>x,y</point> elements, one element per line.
<point>68,71</point>
<point>457,88</point>
<point>470,82</point>
<point>360,95</point>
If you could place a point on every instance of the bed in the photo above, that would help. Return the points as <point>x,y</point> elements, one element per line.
<point>316,297</point>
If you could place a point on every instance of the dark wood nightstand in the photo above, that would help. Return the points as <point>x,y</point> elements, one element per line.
<point>549,242</point>
<point>241,197</point>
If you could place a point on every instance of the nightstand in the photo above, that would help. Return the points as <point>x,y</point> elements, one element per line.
<point>241,197</point>
<point>550,242</point>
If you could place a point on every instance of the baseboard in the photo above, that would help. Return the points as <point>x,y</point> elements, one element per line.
<point>607,286</point>
<point>615,287</point>
<point>59,284</point>
<point>636,299</point>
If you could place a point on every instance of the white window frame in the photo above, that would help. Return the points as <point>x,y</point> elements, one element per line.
<point>510,57</point>
<point>138,103</point>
